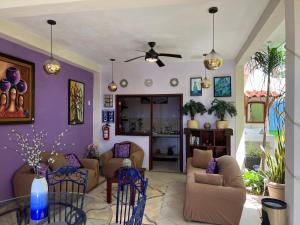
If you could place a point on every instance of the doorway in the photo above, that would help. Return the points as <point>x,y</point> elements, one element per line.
<point>166,134</point>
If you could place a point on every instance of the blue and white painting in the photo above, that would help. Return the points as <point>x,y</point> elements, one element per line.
<point>222,86</point>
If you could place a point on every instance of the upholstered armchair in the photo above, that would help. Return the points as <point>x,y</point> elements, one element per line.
<point>110,165</point>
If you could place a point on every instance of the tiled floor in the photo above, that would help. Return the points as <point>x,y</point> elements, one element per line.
<point>165,201</point>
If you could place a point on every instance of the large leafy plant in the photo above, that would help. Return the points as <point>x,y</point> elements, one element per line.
<point>254,182</point>
<point>192,108</point>
<point>269,61</point>
<point>220,108</point>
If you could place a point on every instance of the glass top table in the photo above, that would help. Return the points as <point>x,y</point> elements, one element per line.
<point>63,209</point>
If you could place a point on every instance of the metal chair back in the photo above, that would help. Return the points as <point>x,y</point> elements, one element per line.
<point>69,185</point>
<point>131,197</point>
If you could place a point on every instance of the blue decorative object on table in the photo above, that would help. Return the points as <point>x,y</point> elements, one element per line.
<point>39,199</point>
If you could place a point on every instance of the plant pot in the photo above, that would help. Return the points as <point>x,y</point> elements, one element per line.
<point>222,124</point>
<point>276,190</point>
<point>193,124</point>
<point>39,199</point>
<point>251,161</point>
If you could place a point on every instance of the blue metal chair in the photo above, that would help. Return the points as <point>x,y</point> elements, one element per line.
<point>131,197</point>
<point>67,180</point>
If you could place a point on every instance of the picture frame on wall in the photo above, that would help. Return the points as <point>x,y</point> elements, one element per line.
<point>195,86</point>
<point>16,90</point>
<point>108,101</point>
<point>76,95</point>
<point>222,86</point>
<point>108,116</point>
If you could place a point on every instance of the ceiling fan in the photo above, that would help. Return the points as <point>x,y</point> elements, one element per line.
<point>153,56</point>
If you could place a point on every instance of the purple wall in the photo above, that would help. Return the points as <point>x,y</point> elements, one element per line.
<point>51,112</point>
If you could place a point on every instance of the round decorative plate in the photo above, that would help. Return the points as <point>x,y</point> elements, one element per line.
<point>174,82</point>
<point>123,83</point>
<point>148,82</point>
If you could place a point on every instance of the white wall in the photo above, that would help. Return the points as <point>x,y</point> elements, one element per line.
<point>137,72</point>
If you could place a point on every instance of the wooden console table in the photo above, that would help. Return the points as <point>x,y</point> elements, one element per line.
<point>217,140</point>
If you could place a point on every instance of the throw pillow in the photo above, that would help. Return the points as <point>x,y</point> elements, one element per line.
<point>212,179</point>
<point>59,161</point>
<point>201,158</point>
<point>122,150</point>
<point>73,160</point>
<point>212,167</point>
<point>42,169</point>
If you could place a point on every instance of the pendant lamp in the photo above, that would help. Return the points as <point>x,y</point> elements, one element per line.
<point>51,66</point>
<point>112,86</point>
<point>206,82</point>
<point>213,60</point>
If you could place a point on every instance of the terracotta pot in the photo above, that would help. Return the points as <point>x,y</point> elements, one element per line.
<point>276,190</point>
<point>222,124</point>
<point>193,124</point>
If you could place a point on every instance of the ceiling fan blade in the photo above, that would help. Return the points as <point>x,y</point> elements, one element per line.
<point>140,51</point>
<point>170,55</point>
<point>160,63</point>
<point>134,58</point>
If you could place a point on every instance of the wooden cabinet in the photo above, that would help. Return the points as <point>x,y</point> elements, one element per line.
<point>218,140</point>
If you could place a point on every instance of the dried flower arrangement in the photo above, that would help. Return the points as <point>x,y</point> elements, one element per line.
<point>31,146</point>
<point>92,150</point>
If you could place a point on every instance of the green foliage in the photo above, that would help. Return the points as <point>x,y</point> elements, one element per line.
<point>193,108</point>
<point>221,107</point>
<point>254,182</point>
<point>276,164</point>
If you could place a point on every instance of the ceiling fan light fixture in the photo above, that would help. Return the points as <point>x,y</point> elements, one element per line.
<point>112,86</point>
<point>213,60</point>
<point>51,66</point>
<point>151,59</point>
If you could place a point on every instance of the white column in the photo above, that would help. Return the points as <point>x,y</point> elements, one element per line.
<point>96,109</point>
<point>292,17</point>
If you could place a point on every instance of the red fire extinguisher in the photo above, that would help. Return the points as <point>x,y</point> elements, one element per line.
<point>105,131</point>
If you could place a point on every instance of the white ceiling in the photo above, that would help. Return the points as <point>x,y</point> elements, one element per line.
<point>102,29</point>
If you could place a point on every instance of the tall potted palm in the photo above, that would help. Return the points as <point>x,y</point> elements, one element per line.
<point>192,108</point>
<point>268,61</point>
<point>220,108</point>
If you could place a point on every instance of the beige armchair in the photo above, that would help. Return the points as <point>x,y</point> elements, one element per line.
<point>110,165</point>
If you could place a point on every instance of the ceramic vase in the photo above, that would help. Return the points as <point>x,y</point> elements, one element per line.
<point>39,199</point>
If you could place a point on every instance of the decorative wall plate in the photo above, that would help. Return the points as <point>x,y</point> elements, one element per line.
<point>148,82</point>
<point>123,83</point>
<point>174,82</point>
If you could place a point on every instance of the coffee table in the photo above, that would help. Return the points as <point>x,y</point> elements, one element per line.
<point>114,179</point>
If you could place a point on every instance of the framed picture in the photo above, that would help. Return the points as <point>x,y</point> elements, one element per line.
<point>222,86</point>
<point>108,101</point>
<point>76,102</point>
<point>195,86</point>
<point>108,116</point>
<point>16,90</point>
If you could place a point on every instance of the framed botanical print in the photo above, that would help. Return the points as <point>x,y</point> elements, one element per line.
<point>222,86</point>
<point>76,102</point>
<point>108,101</point>
<point>16,90</point>
<point>195,86</point>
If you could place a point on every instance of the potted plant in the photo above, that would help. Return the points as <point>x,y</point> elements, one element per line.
<point>220,108</point>
<point>253,155</point>
<point>276,170</point>
<point>192,108</point>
